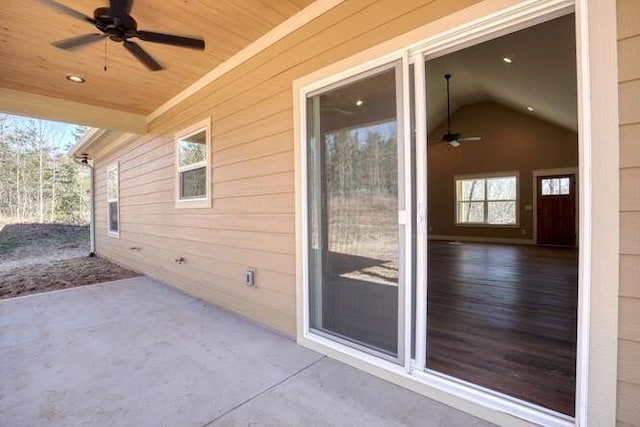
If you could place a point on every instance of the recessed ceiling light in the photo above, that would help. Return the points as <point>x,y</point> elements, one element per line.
<point>530,109</point>
<point>507,60</point>
<point>74,79</point>
<point>359,102</point>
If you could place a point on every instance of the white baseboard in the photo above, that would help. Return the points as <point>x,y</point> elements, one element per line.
<point>480,239</point>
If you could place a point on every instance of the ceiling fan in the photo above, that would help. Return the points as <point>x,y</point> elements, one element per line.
<point>454,139</point>
<point>115,23</point>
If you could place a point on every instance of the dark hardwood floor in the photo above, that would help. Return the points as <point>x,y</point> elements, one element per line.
<point>504,317</point>
<point>499,316</point>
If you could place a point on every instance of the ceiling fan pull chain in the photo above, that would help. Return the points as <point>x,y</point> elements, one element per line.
<point>105,53</point>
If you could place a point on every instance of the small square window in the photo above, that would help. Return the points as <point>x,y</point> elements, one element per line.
<point>556,186</point>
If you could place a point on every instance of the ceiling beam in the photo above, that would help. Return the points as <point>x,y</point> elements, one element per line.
<point>45,107</point>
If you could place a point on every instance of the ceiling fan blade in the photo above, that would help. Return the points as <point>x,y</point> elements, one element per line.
<point>189,42</point>
<point>67,10</point>
<point>142,55</point>
<point>119,8</point>
<point>78,42</point>
<point>470,139</point>
<point>343,111</point>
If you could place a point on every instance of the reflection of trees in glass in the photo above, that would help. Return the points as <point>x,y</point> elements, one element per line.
<point>192,152</point>
<point>359,180</point>
<point>112,184</point>
<point>193,183</point>
<point>362,164</point>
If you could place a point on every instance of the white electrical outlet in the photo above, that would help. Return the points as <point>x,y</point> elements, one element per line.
<point>250,277</point>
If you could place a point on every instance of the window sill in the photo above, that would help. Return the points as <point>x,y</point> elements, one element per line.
<point>193,204</point>
<point>114,234</point>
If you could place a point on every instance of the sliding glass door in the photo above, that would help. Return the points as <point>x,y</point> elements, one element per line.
<point>354,164</point>
<point>420,217</point>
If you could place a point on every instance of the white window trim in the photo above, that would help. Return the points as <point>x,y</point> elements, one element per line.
<point>199,202</point>
<point>599,218</point>
<point>110,232</point>
<point>515,174</point>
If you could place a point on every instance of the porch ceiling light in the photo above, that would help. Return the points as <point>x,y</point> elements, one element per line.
<point>530,109</point>
<point>74,79</point>
<point>359,103</point>
<point>507,60</point>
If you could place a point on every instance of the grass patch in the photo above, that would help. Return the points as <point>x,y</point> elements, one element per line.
<point>7,245</point>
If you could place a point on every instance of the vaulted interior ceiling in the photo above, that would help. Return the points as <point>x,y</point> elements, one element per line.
<point>542,74</point>
<point>31,64</point>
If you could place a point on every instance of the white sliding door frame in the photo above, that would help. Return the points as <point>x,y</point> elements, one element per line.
<point>399,63</point>
<point>598,198</point>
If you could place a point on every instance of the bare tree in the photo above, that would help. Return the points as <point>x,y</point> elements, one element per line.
<point>38,181</point>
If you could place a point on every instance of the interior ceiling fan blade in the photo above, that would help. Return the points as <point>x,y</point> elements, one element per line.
<point>343,111</point>
<point>142,55</point>
<point>67,10</point>
<point>189,42</point>
<point>119,8</point>
<point>470,138</point>
<point>78,41</point>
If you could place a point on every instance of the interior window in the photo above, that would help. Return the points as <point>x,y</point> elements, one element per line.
<point>489,200</point>
<point>556,186</point>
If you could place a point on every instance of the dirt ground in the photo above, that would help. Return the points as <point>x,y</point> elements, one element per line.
<point>44,257</point>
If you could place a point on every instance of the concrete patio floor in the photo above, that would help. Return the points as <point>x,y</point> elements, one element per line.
<point>139,353</point>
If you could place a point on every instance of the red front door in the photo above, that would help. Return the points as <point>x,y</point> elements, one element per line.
<point>556,210</point>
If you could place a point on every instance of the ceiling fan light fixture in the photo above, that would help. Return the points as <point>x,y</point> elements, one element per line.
<point>115,23</point>
<point>507,59</point>
<point>75,79</point>
<point>455,143</point>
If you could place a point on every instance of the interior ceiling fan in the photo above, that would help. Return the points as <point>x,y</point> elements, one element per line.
<point>115,23</point>
<point>454,139</point>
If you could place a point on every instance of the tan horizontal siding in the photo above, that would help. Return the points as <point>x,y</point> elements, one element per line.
<point>628,18</point>
<point>271,124</point>
<point>630,102</point>
<point>628,58</point>
<point>276,293</point>
<point>629,309</point>
<point>629,143</point>
<point>246,303</point>
<point>629,320</point>
<point>270,242</point>
<point>262,166</point>
<point>251,220</point>
<point>275,223</point>
<point>628,403</point>
<point>629,190</point>
<point>629,364</point>
<point>267,260</point>
<point>630,276</point>
<point>630,237</point>
<point>279,182</point>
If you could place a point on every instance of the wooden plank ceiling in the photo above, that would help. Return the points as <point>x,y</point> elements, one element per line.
<point>31,64</point>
